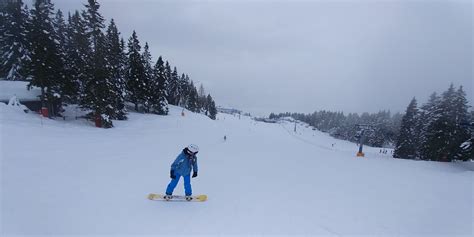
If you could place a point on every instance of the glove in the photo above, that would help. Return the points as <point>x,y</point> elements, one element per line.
<point>195,174</point>
<point>172,174</point>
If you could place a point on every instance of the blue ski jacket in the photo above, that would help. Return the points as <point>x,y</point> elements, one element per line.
<point>183,164</point>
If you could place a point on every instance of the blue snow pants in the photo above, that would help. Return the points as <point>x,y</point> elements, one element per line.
<point>187,185</point>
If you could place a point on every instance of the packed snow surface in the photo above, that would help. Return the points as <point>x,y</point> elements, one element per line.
<point>70,178</point>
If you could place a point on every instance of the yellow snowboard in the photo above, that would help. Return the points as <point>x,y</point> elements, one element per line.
<point>160,197</point>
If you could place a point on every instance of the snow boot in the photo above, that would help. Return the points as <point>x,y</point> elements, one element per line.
<point>189,198</point>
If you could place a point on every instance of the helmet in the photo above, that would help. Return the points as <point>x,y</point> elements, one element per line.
<point>193,148</point>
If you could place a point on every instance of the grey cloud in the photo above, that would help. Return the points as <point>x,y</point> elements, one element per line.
<point>266,56</point>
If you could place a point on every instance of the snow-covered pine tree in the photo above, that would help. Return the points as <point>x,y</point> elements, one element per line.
<point>13,41</point>
<point>99,92</point>
<point>461,133</point>
<point>184,85</point>
<point>175,76</point>
<point>442,138</point>
<point>160,104</point>
<point>173,87</point>
<point>46,67</point>
<point>407,142</point>
<point>60,29</point>
<point>167,74</point>
<point>78,53</point>
<point>193,98</point>
<point>447,125</point>
<point>211,107</point>
<point>135,74</point>
<point>429,114</point>
<point>2,28</point>
<point>149,77</point>
<point>95,22</point>
<point>202,100</point>
<point>116,60</point>
<point>68,87</point>
<point>469,151</point>
<point>123,84</point>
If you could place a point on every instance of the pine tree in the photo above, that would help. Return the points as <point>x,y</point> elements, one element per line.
<point>160,104</point>
<point>95,22</point>
<point>442,139</point>
<point>2,31</point>
<point>167,76</point>
<point>116,59</point>
<point>407,144</point>
<point>182,90</point>
<point>60,29</point>
<point>461,132</point>
<point>466,149</point>
<point>147,80</point>
<point>13,42</point>
<point>99,92</point>
<point>430,113</point>
<point>46,65</point>
<point>77,60</point>
<point>135,74</point>
<point>68,87</point>
<point>202,100</point>
<point>173,87</point>
<point>184,83</point>
<point>211,107</point>
<point>446,126</point>
<point>193,98</point>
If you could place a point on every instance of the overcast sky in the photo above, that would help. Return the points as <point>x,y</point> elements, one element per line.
<point>301,56</point>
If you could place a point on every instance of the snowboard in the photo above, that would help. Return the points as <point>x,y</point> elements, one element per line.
<point>160,197</point>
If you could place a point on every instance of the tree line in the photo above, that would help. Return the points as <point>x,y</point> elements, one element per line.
<point>384,130</point>
<point>81,61</point>
<point>439,130</point>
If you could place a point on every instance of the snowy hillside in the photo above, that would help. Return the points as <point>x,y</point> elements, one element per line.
<point>18,89</point>
<point>68,177</point>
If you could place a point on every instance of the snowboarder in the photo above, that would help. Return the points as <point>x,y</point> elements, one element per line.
<point>182,166</point>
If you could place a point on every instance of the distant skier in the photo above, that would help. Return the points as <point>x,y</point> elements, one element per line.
<point>182,166</point>
<point>225,138</point>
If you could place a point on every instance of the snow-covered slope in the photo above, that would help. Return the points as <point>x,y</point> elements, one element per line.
<point>67,177</point>
<point>18,89</point>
